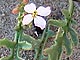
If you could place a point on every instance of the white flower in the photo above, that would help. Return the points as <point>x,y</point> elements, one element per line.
<point>35,14</point>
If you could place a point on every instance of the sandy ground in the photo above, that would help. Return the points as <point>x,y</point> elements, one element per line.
<point>8,22</point>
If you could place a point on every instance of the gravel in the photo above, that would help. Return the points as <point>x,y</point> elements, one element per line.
<point>8,22</point>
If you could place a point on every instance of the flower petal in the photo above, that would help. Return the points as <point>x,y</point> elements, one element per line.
<point>27,19</point>
<point>40,22</point>
<point>44,11</point>
<point>30,8</point>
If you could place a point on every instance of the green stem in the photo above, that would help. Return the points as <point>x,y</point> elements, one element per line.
<point>18,35</point>
<point>46,38</point>
<point>39,52</point>
<point>16,39</point>
<point>16,46</point>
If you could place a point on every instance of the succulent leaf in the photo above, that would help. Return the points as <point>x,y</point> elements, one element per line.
<point>59,23</point>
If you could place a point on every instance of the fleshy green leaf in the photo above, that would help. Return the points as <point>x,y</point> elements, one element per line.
<point>66,13</point>
<point>7,43</point>
<point>7,58</point>
<point>50,33</point>
<point>68,44</point>
<point>25,45</point>
<point>74,36</point>
<point>59,23</point>
<point>27,38</point>
<point>54,52</point>
<point>71,7</point>
<point>74,22</point>
<point>30,40</point>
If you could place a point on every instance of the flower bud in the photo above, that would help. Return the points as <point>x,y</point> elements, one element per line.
<point>15,10</point>
<point>24,14</point>
<point>25,1</point>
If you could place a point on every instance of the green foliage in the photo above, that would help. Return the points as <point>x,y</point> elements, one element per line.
<point>25,45</point>
<point>50,33</point>
<point>27,38</point>
<point>67,43</point>
<point>71,7</point>
<point>7,43</point>
<point>7,58</point>
<point>74,22</point>
<point>30,40</point>
<point>54,52</point>
<point>59,23</point>
<point>73,35</point>
<point>66,36</point>
<point>66,13</point>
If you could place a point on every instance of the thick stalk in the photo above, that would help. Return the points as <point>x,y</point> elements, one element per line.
<point>18,35</point>
<point>16,46</point>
